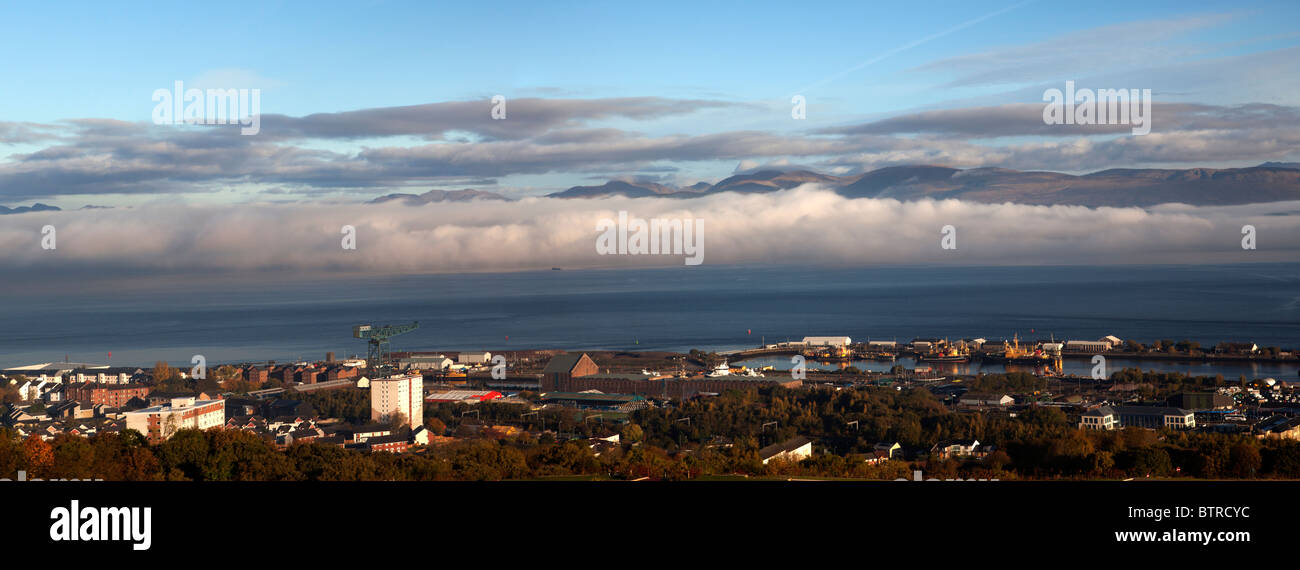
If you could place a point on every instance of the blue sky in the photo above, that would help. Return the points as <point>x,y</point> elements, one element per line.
<point>856,62</point>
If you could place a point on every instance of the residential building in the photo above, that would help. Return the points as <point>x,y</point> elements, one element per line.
<point>257,375</point>
<point>159,423</point>
<point>956,448</point>
<point>403,394</point>
<point>890,449</point>
<point>113,395</point>
<point>1279,427</point>
<point>395,443</point>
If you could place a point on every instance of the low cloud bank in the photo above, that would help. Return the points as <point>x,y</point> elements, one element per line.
<point>807,225</point>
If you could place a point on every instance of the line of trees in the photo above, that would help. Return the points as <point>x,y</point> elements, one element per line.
<point>701,438</point>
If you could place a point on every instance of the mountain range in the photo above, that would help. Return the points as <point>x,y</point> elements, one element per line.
<point>37,207</point>
<point>439,196</point>
<point>1271,182</point>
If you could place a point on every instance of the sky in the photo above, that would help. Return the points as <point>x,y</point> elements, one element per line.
<point>359,100</point>
<point>362,99</point>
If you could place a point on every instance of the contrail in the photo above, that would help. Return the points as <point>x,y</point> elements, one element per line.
<point>911,45</point>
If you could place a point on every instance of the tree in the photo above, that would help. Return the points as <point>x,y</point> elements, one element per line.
<point>1244,459</point>
<point>632,433</point>
<point>38,456</point>
<point>1151,461</point>
<point>163,372</point>
<point>398,419</point>
<point>170,425</point>
<point>435,426</point>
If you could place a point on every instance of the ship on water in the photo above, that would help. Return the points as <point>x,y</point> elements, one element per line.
<point>829,354</point>
<point>948,354</point>
<point>1015,354</point>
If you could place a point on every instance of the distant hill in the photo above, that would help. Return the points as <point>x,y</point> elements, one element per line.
<point>773,180</point>
<point>439,196</point>
<point>1295,165</point>
<point>617,188</point>
<point>1115,187</point>
<point>37,207</point>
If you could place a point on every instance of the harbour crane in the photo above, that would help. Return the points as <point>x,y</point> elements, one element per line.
<point>377,353</point>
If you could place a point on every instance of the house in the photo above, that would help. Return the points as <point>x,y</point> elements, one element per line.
<point>876,457</point>
<point>956,448</point>
<point>1279,427</point>
<point>890,449</point>
<point>68,410</point>
<point>362,434</point>
<point>257,375</point>
<point>420,436</point>
<point>1101,417</point>
<point>394,443</point>
<point>794,449</point>
<point>55,394</point>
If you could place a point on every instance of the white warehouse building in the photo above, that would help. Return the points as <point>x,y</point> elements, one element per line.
<point>827,340</point>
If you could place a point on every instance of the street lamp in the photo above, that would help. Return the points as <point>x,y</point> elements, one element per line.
<point>539,417</point>
<point>680,436</point>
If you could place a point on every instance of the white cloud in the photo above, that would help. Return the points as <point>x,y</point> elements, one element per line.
<point>806,225</point>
